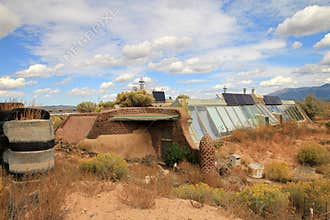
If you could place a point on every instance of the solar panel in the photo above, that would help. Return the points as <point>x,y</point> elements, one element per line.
<point>159,96</point>
<point>238,99</point>
<point>272,100</point>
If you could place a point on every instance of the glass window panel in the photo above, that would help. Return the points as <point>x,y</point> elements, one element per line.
<point>217,120</point>
<point>195,124</point>
<point>233,117</point>
<point>265,112</point>
<point>225,118</point>
<point>208,124</point>
<point>300,117</point>
<point>249,112</point>
<point>241,116</point>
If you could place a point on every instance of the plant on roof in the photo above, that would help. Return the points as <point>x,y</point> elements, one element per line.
<point>86,107</point>
<point>139,98</point>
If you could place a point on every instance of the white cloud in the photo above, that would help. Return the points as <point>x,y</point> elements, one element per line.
<point>10,83</point>
<point>137,50</point>
<point>106,85</point>
<point>103,60</point>
<point>310,20</point>
<point>39,70</point>
<point>246,82</point>
<point>326,58</point>
<point>324,42</point>
<point>124,77</point>
<point>45,92</point>
<point>10,94</point>
<point>84,92</point>
<point>192,81</point>
<point>64,81</point>
<point>171,43</point>
<point>8,21</point>
<point>109,97</point>
<point>278,81</point>
<point>296,45</point>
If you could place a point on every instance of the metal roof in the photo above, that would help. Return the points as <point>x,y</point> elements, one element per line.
<point>238,99</point>
<point>144,117</point>
<point>159,96</point>
<point>272,100</point>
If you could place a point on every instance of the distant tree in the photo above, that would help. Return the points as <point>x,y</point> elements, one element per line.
<point>86,107</point>
<point>311,106</point>
<point>139,98</point>
<point>183,96</point>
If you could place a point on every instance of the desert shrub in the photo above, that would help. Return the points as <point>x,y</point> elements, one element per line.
<point>183,96</point>
<point>104,106</point>
<point>201,192</point>
<point>139,98</point>
<point>305,194</point>
<point>278,172</point>
<point>86,107</point>
<point>56,121</point>
<point>327,124</point>
<point>291,129</point>
<point>313,154</point>
<point>263,133</point>
<point>311,106</point>
<point>137,197</point>
<point>176,153</point>
<point>218,143</point>
<point>106,166</point>
<point>265,200</point>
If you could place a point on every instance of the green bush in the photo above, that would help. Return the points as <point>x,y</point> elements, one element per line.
<point>201,192</point>
<point>304,194</point>
<point>265,200</point>
<point>176,153</point>
<point>139,98</point>
<point>278,172</point>
<point>106,166</point>
<point>311,106</point>
<point>86,107</point>
<point>313,154</point>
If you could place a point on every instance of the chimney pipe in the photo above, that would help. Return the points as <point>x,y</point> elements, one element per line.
<point>253,91</point>
<point>224,89</point>
<point>244,91</point>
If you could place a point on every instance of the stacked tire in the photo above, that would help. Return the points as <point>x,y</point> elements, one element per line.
<point>30,142</point>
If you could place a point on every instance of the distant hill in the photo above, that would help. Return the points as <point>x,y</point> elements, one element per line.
<point>320,92</point>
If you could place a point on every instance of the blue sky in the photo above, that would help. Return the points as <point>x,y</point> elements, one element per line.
<point>64,52</point>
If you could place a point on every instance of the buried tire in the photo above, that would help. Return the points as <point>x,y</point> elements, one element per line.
<point>29,135</point>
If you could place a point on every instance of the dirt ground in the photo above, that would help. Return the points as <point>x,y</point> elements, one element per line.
<point>106,205</point>
<point>121,144</point>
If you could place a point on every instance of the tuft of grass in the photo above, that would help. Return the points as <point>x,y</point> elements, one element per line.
<point>201,192</point>
<point>277,171</point>
<point>106,166</point>
<point>137,197</point>
<point>313,154</point>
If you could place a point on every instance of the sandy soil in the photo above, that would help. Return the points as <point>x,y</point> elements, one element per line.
<point>105,205</point>
<point>133,145</point>
<point>75,128</point>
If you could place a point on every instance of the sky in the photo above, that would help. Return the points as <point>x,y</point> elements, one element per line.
<point>64,52</point>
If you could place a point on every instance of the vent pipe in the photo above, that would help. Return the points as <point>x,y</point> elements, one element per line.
<point>253,91</point>
<point>244,91</point>
<point>141,82</point>
<point>224,89</point>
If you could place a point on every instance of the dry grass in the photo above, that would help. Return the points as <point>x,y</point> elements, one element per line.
<point>136,196</point>
<point>38,197</point>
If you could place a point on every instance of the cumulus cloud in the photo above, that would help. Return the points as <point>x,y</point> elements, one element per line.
<point>326,58</point>
<point>192,81</point>
<point>39,70</point>
<point>106,85</point>
<point>310,20</point>
<point>83,92</point>
<point>296,45</point>
<point>103,60</point>
<point>136,51</point>
<point>171,43</point>
<point>110,97</point>
<point>246,82</point>
<point>124,77</point>
<point>277,81</point>
<point>11,94</point>
<point>324,42</point>
<point>45,92</point>
<point>7,83</point>
<point>9,21</point>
